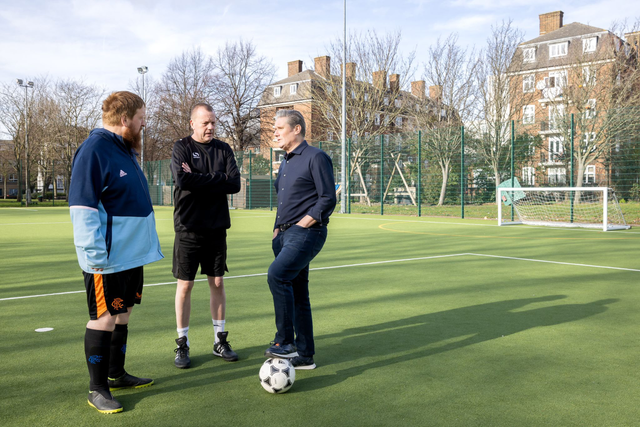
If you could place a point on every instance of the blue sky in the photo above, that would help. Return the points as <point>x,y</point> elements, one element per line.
<point>103,42</point>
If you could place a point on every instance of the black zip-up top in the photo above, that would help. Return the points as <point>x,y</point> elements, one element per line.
<point>200,197</point>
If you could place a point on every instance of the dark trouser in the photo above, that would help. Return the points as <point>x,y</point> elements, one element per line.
<point>288,280</point>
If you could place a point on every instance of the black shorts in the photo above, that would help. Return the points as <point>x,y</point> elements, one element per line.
<point>209,251</point>
<point>113,292</point>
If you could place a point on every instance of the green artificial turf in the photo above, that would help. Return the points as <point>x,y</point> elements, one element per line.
<point>418,321</point>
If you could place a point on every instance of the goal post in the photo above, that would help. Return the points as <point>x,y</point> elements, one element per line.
<point>590,207</point>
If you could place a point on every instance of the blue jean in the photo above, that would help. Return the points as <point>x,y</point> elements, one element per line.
<point>288,279</point>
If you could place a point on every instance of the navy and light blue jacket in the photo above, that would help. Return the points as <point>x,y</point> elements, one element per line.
<point>114,227</point>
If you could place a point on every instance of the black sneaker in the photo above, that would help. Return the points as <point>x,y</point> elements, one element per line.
<point>302,362</point>
<point>182,354</point>
<point>104,405</point>
<point>223,349</point>
<point>129,381</point>
<point>282,351</point>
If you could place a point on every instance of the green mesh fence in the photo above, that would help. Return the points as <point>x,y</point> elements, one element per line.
<point>444,166</point>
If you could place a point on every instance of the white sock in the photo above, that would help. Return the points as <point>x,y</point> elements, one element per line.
<point>218,326</point>
<point>184,332</point>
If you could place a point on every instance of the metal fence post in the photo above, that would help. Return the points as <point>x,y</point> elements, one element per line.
<point>513,138</point>
<point>249,183</point>
<point>381,174</point>
<point>462,172</point>
<point>271,178</point>
<point>419,195</point>
<point>348,166</point>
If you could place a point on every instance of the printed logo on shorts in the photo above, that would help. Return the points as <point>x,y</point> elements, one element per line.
<point>196,155</point>
<point>122,173</point>
<point>95,359</point>
<point>117,303</point>
<point>138,295</point>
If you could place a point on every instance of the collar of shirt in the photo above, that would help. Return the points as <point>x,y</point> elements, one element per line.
<point>298,150</point>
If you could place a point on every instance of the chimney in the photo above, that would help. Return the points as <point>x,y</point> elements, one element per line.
<point>394,82</point>
<point>295,67</point>
<point>550,21</point>
<point>351,70</point>
<point>323,65</point>
<point>418,89</point>
<point>380,80</point>
<point>435,93</point>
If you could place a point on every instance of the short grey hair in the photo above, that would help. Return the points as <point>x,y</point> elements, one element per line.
<point>204,105</point>
<point>294,118</point>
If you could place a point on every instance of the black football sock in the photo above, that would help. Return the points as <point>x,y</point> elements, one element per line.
<point>97,346</point>
<point>118,351</point>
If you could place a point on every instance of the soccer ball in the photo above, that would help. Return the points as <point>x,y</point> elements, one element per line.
<point>277,375</point>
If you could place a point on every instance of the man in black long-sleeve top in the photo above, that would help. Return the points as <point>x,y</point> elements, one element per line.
<point>306,198</point>
<point>205,171</point>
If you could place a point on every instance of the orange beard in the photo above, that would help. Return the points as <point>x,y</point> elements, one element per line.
<point>133,140</point>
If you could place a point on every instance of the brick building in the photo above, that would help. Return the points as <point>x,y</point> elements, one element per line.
<point>568,70</point>
<point>308,91</point>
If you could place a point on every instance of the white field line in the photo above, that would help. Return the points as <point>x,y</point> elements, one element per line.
<point>358,265</point>
<point>555,262</point>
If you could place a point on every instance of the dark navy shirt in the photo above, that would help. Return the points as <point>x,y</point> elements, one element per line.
<point>305,186</point>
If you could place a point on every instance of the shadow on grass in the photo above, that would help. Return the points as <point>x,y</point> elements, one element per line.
<point>417,337</point>
<point>389,343</point>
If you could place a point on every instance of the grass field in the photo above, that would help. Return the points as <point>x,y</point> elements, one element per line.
<point>418,321</point>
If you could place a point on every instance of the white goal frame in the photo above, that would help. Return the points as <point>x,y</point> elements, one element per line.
<point>606,193</point>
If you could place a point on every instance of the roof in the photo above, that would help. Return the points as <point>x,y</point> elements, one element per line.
<point>574,29</point>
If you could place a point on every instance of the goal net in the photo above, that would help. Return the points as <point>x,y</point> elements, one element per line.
<point>591,207</point>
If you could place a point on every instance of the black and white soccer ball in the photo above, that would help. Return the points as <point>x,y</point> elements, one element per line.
<point>277,375</point>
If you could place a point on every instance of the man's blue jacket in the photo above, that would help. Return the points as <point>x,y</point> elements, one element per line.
<point>114,227</point>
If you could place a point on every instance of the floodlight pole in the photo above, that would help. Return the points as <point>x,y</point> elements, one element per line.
<point>26,84</point>
<point>343,157</point>
<point>143,70</point>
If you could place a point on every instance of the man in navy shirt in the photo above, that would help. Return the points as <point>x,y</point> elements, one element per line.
<point>306,198</point>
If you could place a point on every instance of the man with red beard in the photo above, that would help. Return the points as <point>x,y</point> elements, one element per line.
<point>115,235</point>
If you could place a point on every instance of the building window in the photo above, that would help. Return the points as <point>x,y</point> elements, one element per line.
<point>529,54</point>
<point>558,49</point>
<point>367,117</point>
<point>590,109</point>
<point>556,117</point>
<point>330,135</point>
<point>377,119</point>
<point>13,178</point>
<point>397,103</point>
<point>589,141</point>
<point>589,45</point>
<point>528,83</point>
<point>386,120</point>
<point>557,176</point>
<point>59,183</point>
<point>1,178</point>
<point>293,89</point>
<point>366,97</point>
<point>277,90</point>
<point>590,175</point>
<point>354,136</point>
<point>528,114</point>
<point>588,76</point>
<point>399,121</point>
<point>529,176</point>
<point>329,89</point>
<point>555,149</point>
<point>353,94</point>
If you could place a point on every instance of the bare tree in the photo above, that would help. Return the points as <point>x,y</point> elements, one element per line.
<point>501,97</point>
<point>376,73</point>
<point>71,112</point>
<point>451,72</point>
<point>189,79</point>
<point>241,75</point>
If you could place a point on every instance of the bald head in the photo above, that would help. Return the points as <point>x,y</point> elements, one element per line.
<point>203,123</point>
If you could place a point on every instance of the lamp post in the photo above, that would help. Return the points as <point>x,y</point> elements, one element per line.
<point>26,84</point>
<point>343,131</point>
<point>143,70</point>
